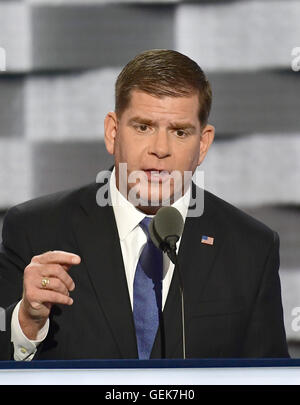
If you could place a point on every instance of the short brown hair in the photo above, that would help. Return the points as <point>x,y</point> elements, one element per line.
<point>162,72</point>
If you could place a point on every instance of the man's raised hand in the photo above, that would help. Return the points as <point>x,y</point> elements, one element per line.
<point>46,282</point>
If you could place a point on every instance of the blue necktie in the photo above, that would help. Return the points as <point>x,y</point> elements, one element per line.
<point>147,294</point>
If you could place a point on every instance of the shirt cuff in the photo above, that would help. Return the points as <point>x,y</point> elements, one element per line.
<point>24,348</point>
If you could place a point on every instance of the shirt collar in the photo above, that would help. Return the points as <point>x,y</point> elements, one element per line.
<point>128,216</point>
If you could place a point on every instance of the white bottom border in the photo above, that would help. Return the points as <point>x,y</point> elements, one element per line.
<point>171,376</point>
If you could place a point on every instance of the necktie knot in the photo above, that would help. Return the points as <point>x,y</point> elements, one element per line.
<point>145,226</point>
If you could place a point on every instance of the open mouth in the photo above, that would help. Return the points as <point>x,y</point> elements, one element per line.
<point>156,175</point>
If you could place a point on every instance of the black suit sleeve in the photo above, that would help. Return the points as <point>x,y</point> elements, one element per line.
<point>15,255</point>
<point>266,334</point>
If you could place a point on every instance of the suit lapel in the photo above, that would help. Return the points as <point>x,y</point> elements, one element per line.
<point>100,248</point>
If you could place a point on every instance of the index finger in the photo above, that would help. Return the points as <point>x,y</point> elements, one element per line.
<point>57,256</point>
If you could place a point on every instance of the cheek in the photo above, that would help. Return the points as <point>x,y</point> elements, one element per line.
<point>122,144</point>
<point>187,158</point>
<point>128,150</point>
<point>194,154</point>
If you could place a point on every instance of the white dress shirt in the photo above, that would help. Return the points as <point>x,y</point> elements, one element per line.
<point>132,240</point>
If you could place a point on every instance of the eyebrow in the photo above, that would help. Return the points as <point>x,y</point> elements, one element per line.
<point>173,125</point>
<point>141,120</point>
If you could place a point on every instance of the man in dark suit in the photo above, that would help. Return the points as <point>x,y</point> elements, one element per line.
<point>73,273</point>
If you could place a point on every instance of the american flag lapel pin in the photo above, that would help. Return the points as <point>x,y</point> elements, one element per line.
<point>208,240</point>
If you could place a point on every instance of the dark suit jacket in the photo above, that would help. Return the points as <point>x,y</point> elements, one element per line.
<point>232,289</point>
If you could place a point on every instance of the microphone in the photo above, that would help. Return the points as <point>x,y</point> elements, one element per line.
<point>165,230</point>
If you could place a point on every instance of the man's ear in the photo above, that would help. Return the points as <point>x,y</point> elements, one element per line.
<point>110,131</point>
<point>207,137</point>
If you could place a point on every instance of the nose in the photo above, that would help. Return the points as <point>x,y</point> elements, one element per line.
<point>160,145</point>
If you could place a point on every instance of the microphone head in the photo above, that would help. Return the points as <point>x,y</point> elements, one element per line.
<point>167,224</point>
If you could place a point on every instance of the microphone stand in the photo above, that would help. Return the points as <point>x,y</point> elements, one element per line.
<point>171,251</point>
<point>169,245</point>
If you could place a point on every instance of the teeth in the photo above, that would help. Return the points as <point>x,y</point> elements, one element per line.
<point>159,173</point>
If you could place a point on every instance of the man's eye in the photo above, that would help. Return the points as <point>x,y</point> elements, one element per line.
<point>181,133</point>
<point>142,128</point>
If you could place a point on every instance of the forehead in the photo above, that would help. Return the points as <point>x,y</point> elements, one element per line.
<point>153,107</point>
